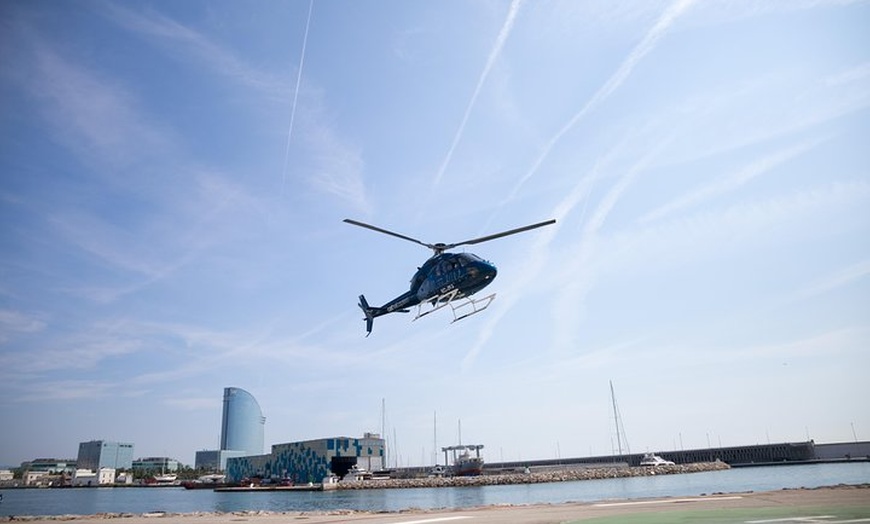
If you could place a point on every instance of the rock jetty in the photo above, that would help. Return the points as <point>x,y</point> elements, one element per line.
<point>535,477</point>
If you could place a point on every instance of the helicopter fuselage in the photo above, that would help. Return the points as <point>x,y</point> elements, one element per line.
<point>464,273</point>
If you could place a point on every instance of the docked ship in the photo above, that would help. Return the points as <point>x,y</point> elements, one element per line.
<point>464,464</point>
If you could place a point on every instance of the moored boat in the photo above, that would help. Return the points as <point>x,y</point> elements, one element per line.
<point>651,459</point>
<point>356,473</point>
<point>215,480</point>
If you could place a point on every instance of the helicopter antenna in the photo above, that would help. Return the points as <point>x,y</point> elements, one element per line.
<point>441,247</point>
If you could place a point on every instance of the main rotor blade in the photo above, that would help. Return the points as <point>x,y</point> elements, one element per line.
<point>502,234</point>
<point>387,232</point>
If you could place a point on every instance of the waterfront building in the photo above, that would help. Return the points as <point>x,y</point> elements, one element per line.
<point>86,477</point>
<point>311,460</point>
<point>50,465</point>
<point>98,454</point>
<point>242,424</point>
<point>242,430</point>
<point>161,464</point>
<point>40,478</point>
<point>215,459</point>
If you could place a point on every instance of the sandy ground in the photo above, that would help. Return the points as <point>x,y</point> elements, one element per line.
<point>853,502</point>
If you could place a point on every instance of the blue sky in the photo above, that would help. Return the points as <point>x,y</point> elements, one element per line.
<point>175,175</point>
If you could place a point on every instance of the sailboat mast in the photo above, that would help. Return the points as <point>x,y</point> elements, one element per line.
<point>383,431</point>
<point>616,419</point>
<point>435,437</point>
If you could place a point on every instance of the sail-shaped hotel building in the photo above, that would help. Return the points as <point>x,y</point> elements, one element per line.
<point>242,423</point>
<point>242,430</point>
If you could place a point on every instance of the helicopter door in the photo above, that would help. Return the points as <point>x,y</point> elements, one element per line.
<point>433,281</point>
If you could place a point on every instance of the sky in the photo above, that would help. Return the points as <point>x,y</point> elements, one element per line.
<point>175,176</point>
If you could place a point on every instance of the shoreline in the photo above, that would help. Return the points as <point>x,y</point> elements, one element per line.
<point>841,495</point>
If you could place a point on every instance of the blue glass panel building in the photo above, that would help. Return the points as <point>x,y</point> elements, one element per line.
<point>243,423</point>
<point>98,454</point>
<point>311,460</point>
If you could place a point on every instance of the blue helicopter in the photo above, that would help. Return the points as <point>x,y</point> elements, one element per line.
<point>446,279</point>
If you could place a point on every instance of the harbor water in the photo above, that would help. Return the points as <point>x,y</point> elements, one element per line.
<point>88,501</point>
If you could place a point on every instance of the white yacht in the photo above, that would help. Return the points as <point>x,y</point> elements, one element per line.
<point>651,459</point>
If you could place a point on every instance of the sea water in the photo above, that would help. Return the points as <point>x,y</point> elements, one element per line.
<point>87,501</point>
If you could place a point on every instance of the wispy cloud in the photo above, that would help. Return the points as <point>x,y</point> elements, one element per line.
<point>146,253</point>
<point>534,263</point>
<point>733,181</point>
<point>714,233</point>
<point>490,61</point>
<point>16,321</point>
<point>660,29</point>
<point>211,403</point>
<point>751,112</point>
<point>825,344</point>
<point>337,168</point>
<point>580,275</point>
<point>844,277</point>
<point>84,350</point>
<point>68,390</point>
<point>183,41</point>
<point>91,114</point>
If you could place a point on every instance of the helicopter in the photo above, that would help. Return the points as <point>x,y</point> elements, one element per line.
<point>444,279</point>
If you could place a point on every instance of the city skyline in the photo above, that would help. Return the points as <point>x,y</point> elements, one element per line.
<point>176,176</point>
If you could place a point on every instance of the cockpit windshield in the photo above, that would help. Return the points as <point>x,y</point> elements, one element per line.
<point>468,258</point>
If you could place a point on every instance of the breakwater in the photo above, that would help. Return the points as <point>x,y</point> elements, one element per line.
<point>535,477</point>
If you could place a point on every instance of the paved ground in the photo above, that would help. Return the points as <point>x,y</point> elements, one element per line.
<point>824,505</point>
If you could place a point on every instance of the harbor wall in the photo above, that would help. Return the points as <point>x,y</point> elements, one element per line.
<point>783,452</point>
<point>843,451</point>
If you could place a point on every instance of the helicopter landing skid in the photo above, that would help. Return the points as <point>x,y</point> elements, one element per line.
<point>476,304</point>
<point>457,305</point>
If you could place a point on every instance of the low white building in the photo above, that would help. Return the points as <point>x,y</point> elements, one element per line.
<point>86,477</point>
<point>124,478</point>
<point>35,478</point>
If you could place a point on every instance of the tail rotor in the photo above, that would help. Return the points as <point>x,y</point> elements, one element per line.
<point>369,312</point>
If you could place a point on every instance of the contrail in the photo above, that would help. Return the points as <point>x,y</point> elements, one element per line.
<point>493,55</point>
<point>643,48</point>
<point>295,98</point>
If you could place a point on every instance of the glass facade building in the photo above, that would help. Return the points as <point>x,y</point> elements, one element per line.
<point>98,454</point>
<point>243,424</point>
<point>311,460</point>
